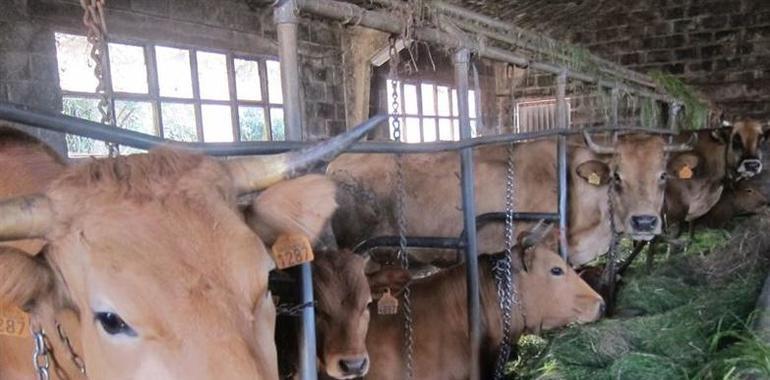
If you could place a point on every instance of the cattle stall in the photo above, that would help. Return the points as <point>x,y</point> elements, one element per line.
<point>591,95</point>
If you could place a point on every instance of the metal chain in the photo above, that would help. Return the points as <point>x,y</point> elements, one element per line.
<point>293,310</point>
<point>96,26</point>
<point>615,239</point>
<point>503,274</point>
<point>41,358</point>
<point>76,359</point>
<point>401,214</point>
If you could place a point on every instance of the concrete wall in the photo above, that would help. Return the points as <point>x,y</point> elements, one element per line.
<point>28,69</point>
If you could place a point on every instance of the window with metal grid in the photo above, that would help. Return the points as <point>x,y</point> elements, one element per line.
<point>181,94</point>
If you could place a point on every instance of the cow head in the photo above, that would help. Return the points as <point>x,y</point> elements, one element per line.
<point>541,275</point>
<point>743,139</point>
<point>344,298</point>
<point>635,169</point>
<point>153,255</point>
<point>747,199</point>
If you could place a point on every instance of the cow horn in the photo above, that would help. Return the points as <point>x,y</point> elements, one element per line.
<point>536,234</point>
<point>727,123</point>
<point>25,217</point>
<point>256,173</point>
<point>686,147</point>
<point>596,148</point>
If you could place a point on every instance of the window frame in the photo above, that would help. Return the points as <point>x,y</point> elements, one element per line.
<point>156,101</point>
<point>420,115</point>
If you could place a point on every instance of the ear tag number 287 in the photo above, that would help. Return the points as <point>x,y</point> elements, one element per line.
<point>14,322</point>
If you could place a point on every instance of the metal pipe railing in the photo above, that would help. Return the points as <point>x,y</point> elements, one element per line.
<point>487,23</point>
<point>561,156</point>
<point>287,22</point>
<point>86,128</point>
<point>461,60</point>
<point>386,22</point>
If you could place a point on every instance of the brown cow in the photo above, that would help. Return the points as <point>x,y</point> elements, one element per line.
<point>741,200</point>
<point>439,312</point>
<point>153,257</point>
<point>636,164</point>
<point>722,156</point>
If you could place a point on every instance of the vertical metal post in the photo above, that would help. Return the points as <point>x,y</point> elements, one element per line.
<point>614,100</point>
<point>561,152</point>
<point>461,60</point>
<point>286,23</point>
<point>673,112</point>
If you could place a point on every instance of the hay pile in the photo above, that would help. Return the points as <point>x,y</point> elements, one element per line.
<point>687,319</point>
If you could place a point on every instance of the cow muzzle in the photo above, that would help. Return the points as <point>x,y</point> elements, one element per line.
<point>750,167</point>
<point>349,367</point>
<point>644,227</point>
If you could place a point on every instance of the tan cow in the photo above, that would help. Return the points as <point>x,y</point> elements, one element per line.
<point>720,156</point>
<point>636,164</point>
<point>152,256</point>
<point>550,295</point>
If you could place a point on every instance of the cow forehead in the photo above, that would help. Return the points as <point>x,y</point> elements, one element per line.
<point>640,154</point>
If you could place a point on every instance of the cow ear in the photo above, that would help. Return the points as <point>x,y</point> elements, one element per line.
<point>301,205</point>
<point>24,279</point>
<point>393,278</point>
<point>683,165</point>
<point>595,172</point>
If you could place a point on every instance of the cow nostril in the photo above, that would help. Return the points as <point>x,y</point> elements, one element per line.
<point>353,366</point>
<point>644,223</point>
<point>752,165</point>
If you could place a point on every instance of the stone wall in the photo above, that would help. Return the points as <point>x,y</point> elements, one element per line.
<point>28,67</point>
<point>722,47</point>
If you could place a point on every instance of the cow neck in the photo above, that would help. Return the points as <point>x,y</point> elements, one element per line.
<point>490,304</point>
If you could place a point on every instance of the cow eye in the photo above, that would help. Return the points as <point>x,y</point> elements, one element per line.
<point>556,271</point>
<point>113,324</point>
<point>616,176</point>
<point>663,176</point>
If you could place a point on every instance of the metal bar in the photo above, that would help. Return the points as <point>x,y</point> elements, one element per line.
<point>286,24</point>
<point>461,62</point>
<point>81,127</point>
<point>614,99</point>
<point>561,152</point>
<point>411,241</point>
<point>391,23</point>
<point>459,12</point>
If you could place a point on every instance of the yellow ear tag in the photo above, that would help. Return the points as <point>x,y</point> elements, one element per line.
<point>14,322</point>
<point>387,305</point>
<point>292,249</point>
<point>594,179</point>
<point>685,172</point>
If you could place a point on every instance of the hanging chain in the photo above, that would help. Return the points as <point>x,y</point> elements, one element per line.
<point>96,26</point>
<point>503,274</point>
<point>614,242</point>
<point>41,358</point>
<point>76,359</point>
<point>401,211</point>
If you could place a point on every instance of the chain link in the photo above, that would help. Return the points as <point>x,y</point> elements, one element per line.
<point>503,273</point>
<point>76,359</point>
<point>96,27</point>
<point>395,109</point>
<point>41,358</point>
<point>293,310</point>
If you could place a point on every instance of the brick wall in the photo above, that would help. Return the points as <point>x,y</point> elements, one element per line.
<point>722,47</point>
<point>28,69</point>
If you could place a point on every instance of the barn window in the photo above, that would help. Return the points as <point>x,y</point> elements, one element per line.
<point>176,93</point>
<point>429,111</point>
<point>537,115</point>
